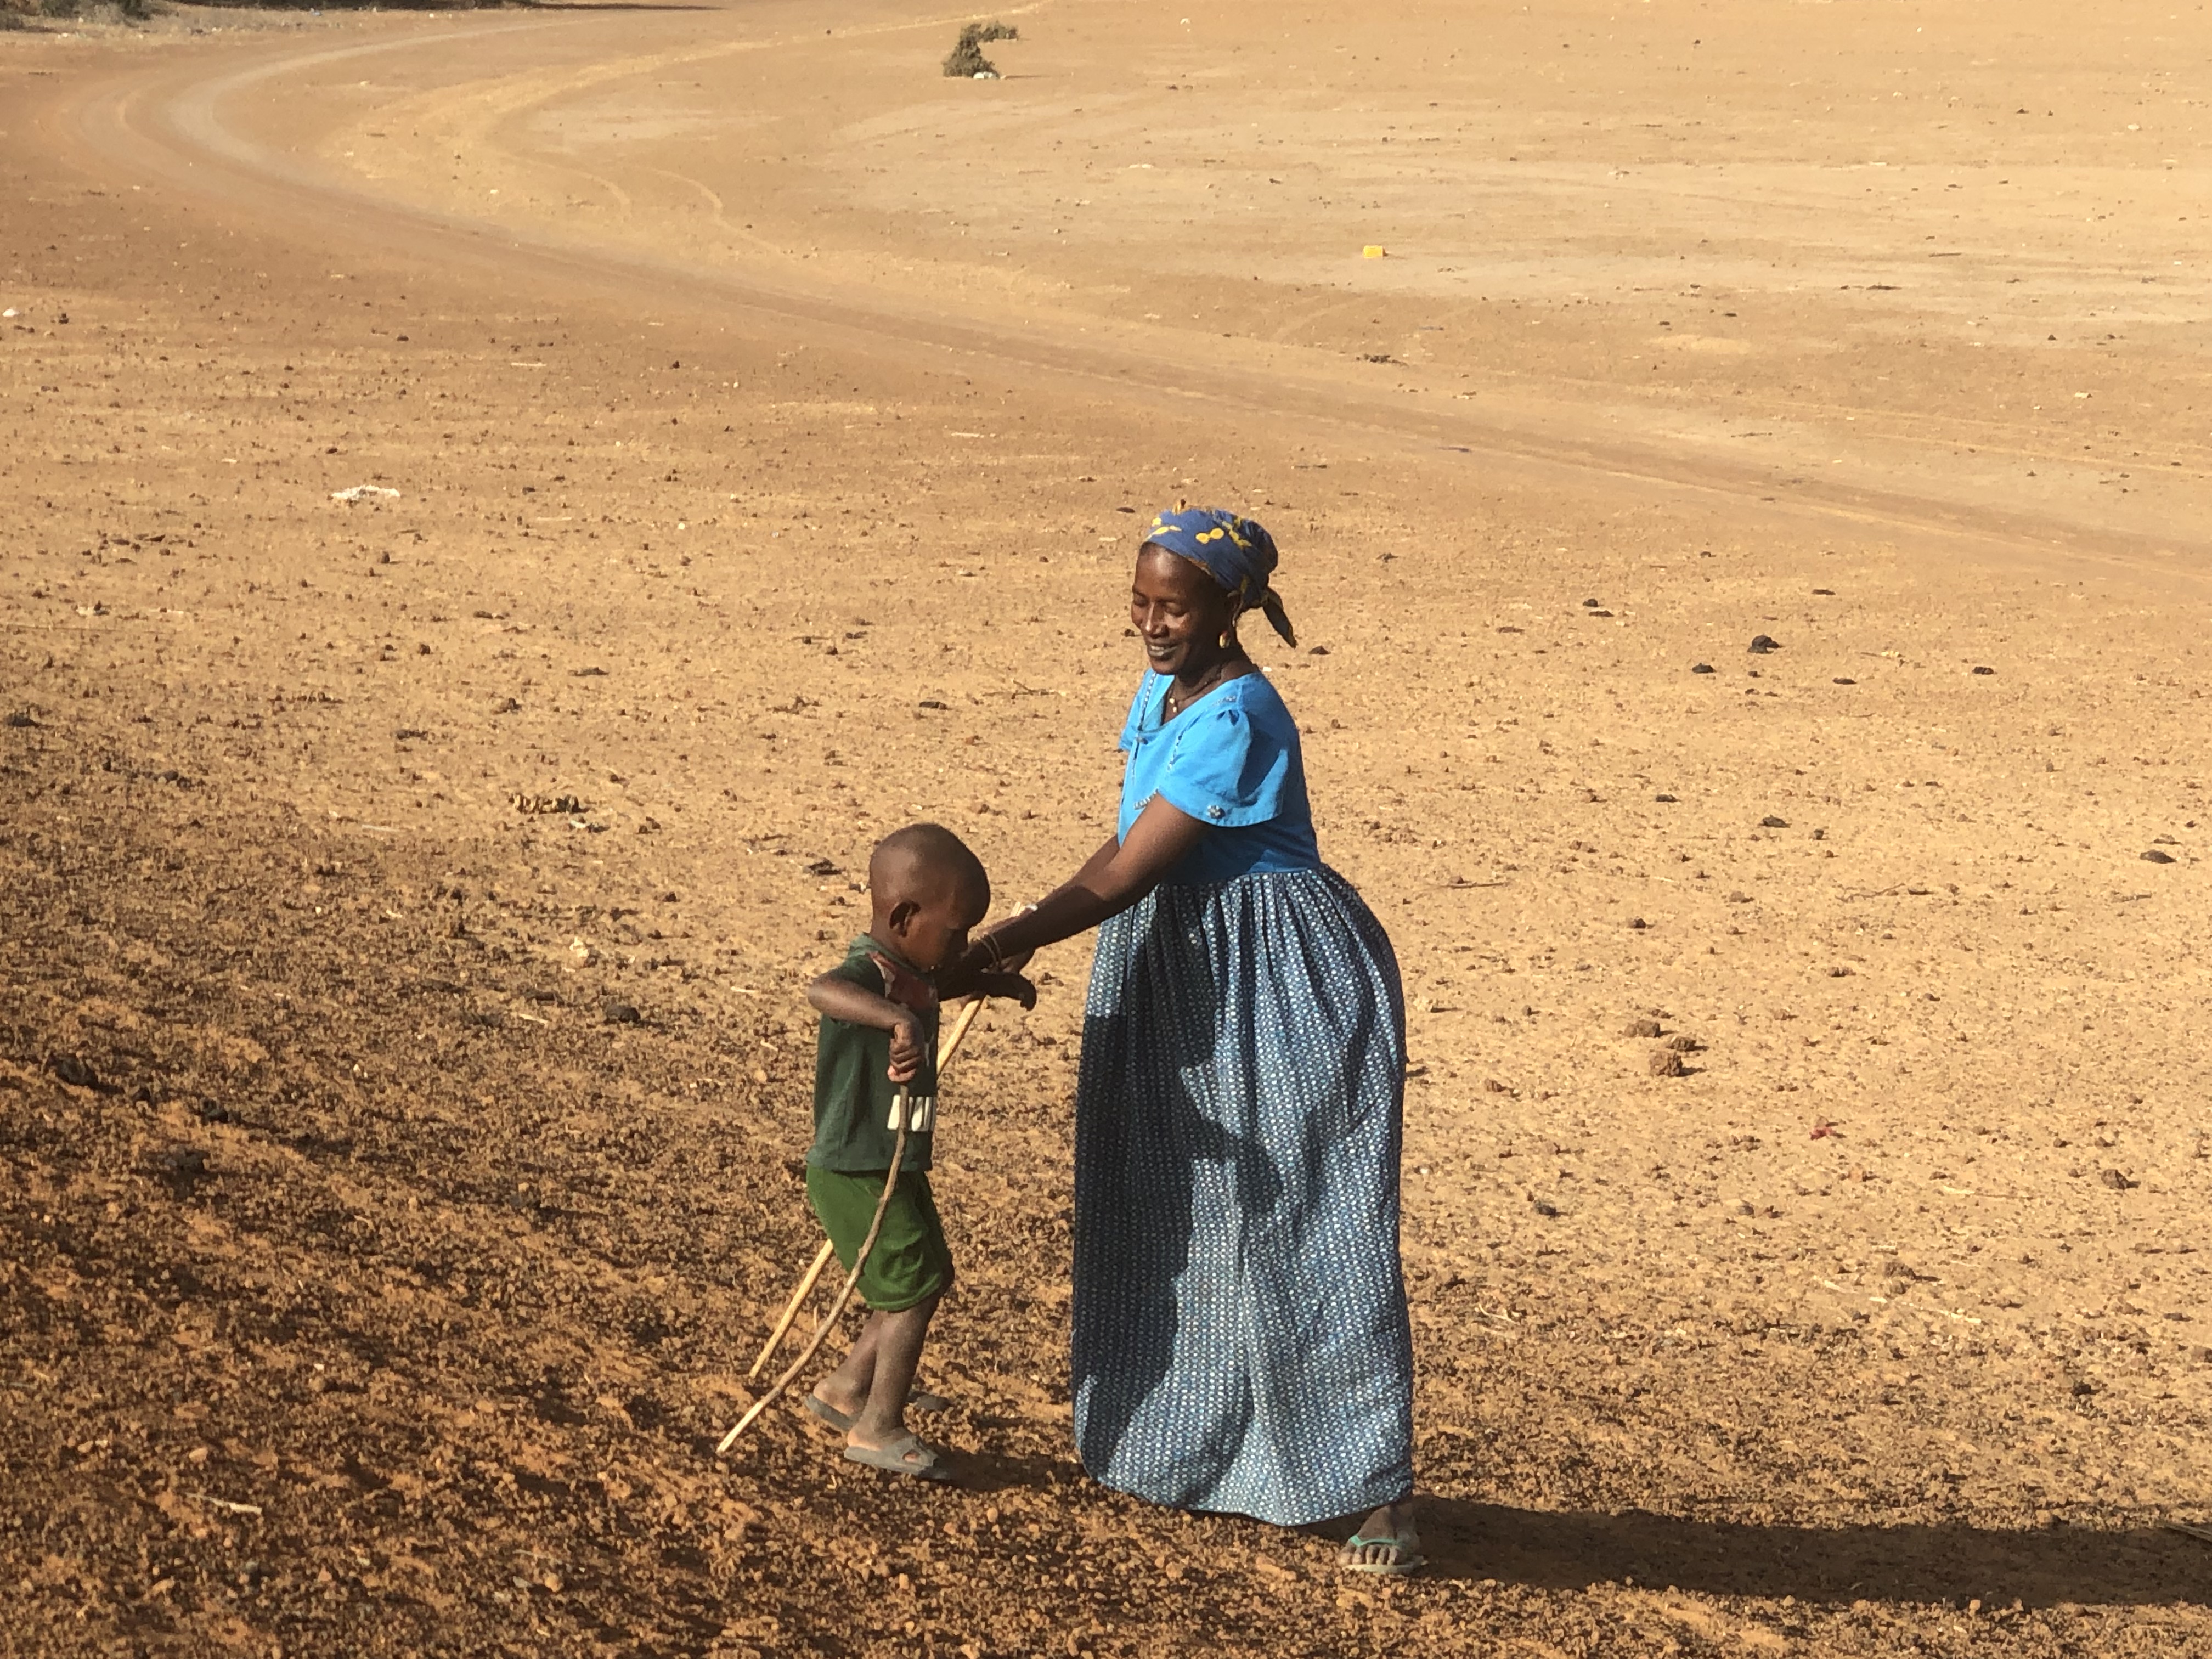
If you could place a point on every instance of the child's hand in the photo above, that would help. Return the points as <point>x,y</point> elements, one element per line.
<point>901,986</point>
<point>1012,987</point>
<point>907,1050</point>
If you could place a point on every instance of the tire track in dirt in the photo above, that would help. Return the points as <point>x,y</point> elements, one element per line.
<point>170,123</point>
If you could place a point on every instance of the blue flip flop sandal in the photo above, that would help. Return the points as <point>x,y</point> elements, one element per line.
<point>1407,1559</point>
<point>899,1458</point>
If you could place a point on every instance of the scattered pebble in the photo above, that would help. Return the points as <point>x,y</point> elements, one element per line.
<point>1703,668</point>
<point>2117,1181</point>
<point>2155,856</point>
<point>1841,679</point>
<point>1739,898</point>
<point>72,1070</point>
<point>1668,800</point>
<point>1763,643</point>
<point>619,1013</point>
<point>1665,1062</point>
<point>1684,1043</point>
<point>1985,670</point>
<point>1491,1086</point>
<point>1544,1207</point>
<point>181,1163</point>
<point>1641,1028</point>
<point>1770,821</point>
<point>1638,922</point>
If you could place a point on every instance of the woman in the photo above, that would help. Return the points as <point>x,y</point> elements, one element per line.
<point>1241,1341</point>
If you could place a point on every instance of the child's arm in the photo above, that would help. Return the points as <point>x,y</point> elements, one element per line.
<point>840,999</point>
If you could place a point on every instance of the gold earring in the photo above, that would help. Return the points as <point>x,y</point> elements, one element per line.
<point>1224,640</point>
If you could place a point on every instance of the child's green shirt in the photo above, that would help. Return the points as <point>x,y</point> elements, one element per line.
<point>855,1102</point>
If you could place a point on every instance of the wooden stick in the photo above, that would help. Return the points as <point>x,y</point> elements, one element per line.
<point>836,1308</point>
<point>791,1311</point>
<point>950,1044</point>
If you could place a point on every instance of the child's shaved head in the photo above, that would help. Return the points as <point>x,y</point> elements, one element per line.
<point>926,864</point>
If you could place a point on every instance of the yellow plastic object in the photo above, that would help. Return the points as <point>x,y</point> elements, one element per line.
<point>1373,250</point>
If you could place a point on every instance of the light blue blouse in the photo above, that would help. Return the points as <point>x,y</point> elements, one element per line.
<point>1231,761</point>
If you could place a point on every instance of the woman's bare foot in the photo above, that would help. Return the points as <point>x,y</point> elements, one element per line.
<point>1386,1541</point>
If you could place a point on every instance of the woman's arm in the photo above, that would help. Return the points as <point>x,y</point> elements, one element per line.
<point>1111,879</point>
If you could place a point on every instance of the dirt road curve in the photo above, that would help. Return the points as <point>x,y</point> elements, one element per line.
<point>174,122</point>
<point>405,897</point>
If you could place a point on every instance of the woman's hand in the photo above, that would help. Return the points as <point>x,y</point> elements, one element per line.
<point>1012,986</point>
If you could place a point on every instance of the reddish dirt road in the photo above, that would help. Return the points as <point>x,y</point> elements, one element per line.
<point>402,1067</point>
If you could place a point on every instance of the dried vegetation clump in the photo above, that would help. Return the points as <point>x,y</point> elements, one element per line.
<point>966,59</point>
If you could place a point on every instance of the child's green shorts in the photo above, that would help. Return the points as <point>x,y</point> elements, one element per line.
<point>911,1262</point>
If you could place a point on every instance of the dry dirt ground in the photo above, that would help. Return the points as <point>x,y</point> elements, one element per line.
<point>758,424</point>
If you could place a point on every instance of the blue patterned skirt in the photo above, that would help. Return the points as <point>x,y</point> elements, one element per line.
<point>1241,1336</point>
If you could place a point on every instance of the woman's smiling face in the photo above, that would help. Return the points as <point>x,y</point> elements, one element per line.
<point>1178,610</point>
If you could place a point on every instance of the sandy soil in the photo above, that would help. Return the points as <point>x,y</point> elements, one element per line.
<point>767,415</point>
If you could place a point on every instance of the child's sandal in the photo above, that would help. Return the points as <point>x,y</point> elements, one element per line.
<point>908,1455</point>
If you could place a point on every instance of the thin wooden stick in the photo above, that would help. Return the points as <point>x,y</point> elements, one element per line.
<point>791,1311</point>
<point>950,1044</point>
<point>836,1308</point>
<point>947,1046</point>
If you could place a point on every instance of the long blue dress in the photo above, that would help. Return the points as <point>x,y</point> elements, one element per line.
<point>1240,1339</point>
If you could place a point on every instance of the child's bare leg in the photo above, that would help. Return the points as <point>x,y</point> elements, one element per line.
<point>895,1342</point>
<point>847,1387</point>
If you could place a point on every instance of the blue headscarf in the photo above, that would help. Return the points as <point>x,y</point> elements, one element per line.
<point>1237,553</point>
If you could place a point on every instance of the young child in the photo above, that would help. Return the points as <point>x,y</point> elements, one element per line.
<point>878,1030</point>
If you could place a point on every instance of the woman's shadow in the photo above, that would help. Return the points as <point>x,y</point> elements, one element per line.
<point>1940,1561</point>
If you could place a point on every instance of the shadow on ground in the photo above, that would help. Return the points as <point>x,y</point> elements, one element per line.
<point>2042,1567</point>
